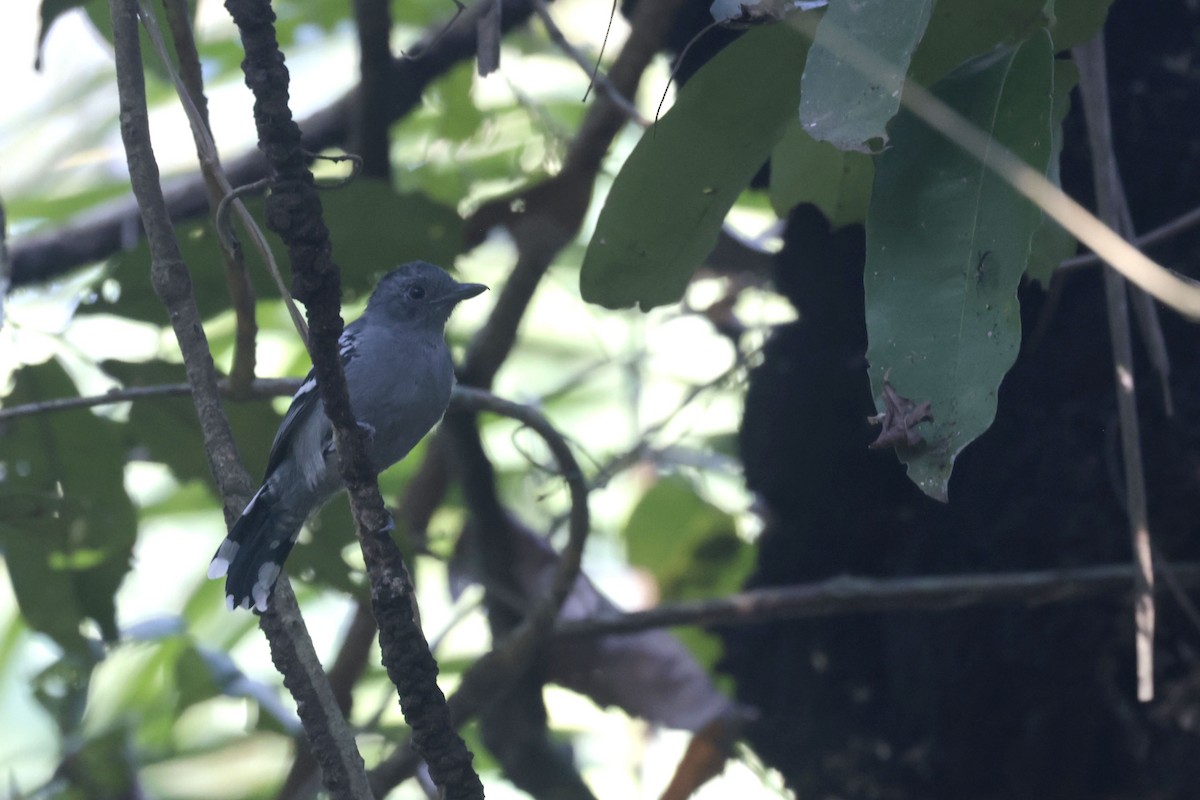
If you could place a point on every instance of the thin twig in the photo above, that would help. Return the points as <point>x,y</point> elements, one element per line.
<point>224,196</point>
<point>1163,233</point>
<point>505,664</point>
<point>599,79</point>
<point>1110,196</point>
<point>189,87</point>
<point>259,388</point>
<point>855,595</point>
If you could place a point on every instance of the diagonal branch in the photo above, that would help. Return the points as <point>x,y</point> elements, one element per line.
<point>291,648</point>
<point>294,212</point>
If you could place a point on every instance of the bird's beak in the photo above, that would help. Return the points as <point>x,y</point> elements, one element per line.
<point>463,291</point>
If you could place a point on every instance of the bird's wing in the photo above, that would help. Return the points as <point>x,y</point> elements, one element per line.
<point>307,401</point>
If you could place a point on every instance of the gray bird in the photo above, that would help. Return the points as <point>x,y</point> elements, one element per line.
<point>399,375</point>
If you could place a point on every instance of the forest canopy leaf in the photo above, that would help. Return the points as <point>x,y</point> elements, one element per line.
<point>840,104</point>
<point>947,243</point>
<point>1076,21</point>
<point>962,29</point>
<point>804,170</point>
<point>1053,243</point>
<point>67,525</point>
<point>667,204</point>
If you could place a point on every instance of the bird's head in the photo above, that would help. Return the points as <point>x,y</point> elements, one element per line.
<point>419,293</point>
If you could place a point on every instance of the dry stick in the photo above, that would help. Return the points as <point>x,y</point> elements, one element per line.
<point>291,649</point>
<point>853,595</point>
<point>168,273</point>
<point>294,212</point>
<point>189,85</point>
<point>222,196</point>
<point>1093,86</point>
<point>103,231</point>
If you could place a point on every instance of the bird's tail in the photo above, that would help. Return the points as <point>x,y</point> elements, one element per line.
<point>252,555</point>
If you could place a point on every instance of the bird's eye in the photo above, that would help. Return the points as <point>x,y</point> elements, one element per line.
<point>416,292</point>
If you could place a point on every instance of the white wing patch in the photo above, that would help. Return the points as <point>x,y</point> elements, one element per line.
<point>267,574</point>
<point>224,557</point>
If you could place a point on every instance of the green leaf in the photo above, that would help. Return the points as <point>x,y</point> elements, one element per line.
<point>1052,243</point>
<point>689,545</point>
<point>947,243</point>
<point>1076,21</point>
<point>692,549</point>
<point>804,170</point>
<point>838,103</point>
<point>98,12</point>
<point>962,29</point>
<point>666,206</point>
<point>66,524</point>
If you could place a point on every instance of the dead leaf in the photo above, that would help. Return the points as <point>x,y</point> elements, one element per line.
<point>899,419</point>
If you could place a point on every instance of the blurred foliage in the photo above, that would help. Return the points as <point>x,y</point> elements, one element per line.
<point>108,517</point>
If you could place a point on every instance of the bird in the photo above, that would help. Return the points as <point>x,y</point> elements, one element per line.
<point>399,374</point>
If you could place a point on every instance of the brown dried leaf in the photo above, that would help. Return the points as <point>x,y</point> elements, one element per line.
<point>899,419</point>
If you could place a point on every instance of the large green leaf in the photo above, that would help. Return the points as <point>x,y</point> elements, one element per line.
<point>839,103</point>
<point>692,549</point>
<point>947,243</point>
<point>1052,243</point>
<point>804,170</point>
<point>666,206</point>
<point>1076,21</point>
<point>688,544</point>
<point>961,29</point>
<point>66,524</point>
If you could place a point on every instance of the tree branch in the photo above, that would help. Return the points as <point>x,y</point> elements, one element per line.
<point>373,19</point>
<point>504,665</point>
<point>260,388</point>
<point>294,212</point>
<point>293,653</point>
<point>854,595</point>
<point>1110,196</point>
